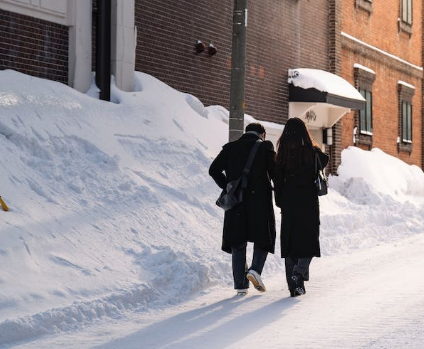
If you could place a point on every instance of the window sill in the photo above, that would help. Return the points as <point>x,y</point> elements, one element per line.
<point>365,5</point>
<point>364,139</point>
<point>407,147</point>
<point>405,27</point>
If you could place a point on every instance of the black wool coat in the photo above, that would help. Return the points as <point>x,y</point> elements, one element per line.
<point>254,219</point>
<point>296,195</point>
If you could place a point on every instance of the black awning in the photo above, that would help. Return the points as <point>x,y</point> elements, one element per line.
<point>312,95</point>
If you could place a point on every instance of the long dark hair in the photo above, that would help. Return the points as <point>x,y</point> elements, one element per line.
<point>295,146</point>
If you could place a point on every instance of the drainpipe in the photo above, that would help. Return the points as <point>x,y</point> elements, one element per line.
<point>238,63</point>
<point>103,48</point>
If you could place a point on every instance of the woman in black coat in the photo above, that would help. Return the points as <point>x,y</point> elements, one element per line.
<point>253,220</point>
<point>296,195</point>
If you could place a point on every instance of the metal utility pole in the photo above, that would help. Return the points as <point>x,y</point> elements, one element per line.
<point>238,63</point>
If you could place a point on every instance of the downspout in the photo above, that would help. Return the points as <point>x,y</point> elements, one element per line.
<point>103,48</point>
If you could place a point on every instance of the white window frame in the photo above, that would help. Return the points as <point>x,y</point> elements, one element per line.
<point>407,11</point>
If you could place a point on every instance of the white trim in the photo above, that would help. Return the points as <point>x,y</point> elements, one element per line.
<point>359,66</point>
<point>124,43</point>
<point>79,69</point>
<point>400,82</point>
<point>55,11</point>
<point>365,133</point>
<point>381,51</point>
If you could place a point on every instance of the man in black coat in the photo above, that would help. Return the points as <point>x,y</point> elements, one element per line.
<point>253,220</point>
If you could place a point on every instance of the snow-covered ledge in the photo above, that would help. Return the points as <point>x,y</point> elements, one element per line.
<point>321,98</point>
<point>360,66</point>
<point>403,83</point>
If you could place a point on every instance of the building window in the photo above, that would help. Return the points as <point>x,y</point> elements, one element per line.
<point>405,17</point>
<point>365,115</point>
<point>406,122</point>
<point>406,92</point>
<point>407,11</point>
<point>363,130</point>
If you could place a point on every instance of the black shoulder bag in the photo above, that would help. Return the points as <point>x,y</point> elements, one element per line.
<point>233,194</point>
<point>321,181</point>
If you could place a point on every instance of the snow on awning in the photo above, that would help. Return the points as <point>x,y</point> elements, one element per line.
<point>314,85</point>
<point>324,95</point>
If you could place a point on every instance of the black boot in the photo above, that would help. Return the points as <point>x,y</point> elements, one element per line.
<point>297,287</point>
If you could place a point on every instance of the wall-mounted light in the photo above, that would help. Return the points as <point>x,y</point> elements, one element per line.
<point>327,136</point>
<point>199,46</point>
<point>211,49</point>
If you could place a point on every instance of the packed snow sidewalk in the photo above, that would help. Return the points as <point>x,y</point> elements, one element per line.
<point>112,216</point>
<point>367,299</point>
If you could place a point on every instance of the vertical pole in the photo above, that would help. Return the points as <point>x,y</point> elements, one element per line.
<point>103,48</point>
<point>238,63</point>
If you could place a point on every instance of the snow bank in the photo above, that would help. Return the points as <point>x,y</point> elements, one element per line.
<point>379,173</point>
<point>107,201</point>
<point>112,209</point>
<point>375,198</point>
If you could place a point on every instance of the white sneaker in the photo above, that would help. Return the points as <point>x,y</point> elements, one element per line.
<point>256,280</point>
<point>242,292</point>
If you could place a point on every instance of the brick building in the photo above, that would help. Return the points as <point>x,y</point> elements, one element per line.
<point>25,46</point>
<point>382,55</point>
<point>48,39</point>
<point>280,35</point>
<point>159,37</point>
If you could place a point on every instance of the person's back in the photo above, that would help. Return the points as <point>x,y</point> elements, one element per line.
<point>253,220</point>
<point>296,195</point>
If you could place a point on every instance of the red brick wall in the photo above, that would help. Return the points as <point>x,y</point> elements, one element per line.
<point>33,46</point>
<point>280,35</point>
<point>379,28</point>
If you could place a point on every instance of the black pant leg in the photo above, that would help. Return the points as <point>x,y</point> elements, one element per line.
<point>239,266</point>
<point>259,258</point>
<point>302,267</point>
<point>289,262</point>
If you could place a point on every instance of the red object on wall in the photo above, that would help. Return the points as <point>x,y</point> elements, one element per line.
<point>200,46</point>
<point>211,49</point>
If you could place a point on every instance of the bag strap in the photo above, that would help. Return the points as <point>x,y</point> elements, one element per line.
<point>249,162</point>
<point>317,160</point>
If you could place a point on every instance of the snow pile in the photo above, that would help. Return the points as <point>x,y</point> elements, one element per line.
<point>375,198</point>
<point>112,209</point>
<point>110,204</point>
<point>379,172</point>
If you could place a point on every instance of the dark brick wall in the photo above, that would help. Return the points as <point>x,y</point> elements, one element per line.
<point>33,46</point>
<point>166,34</point>
<point>335,67</point>
<point>280,35</point>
